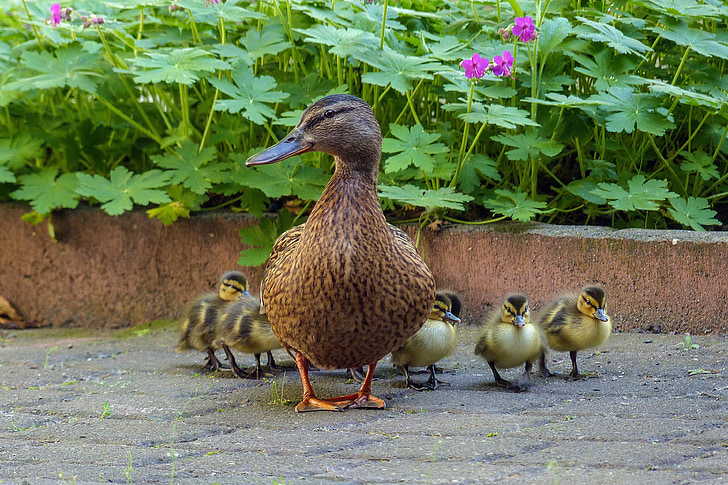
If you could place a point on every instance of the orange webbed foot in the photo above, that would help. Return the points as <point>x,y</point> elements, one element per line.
<point>313,404</point>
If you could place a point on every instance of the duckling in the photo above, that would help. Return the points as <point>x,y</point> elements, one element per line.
<point>433,342</point>
<point>198,328</point>
<point>242,327</point>
<point>575,322</point>
<point>509,339</point>
<point>373,291</point>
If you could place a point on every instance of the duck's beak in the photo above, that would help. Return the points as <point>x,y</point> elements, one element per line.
<point>292,144</point>
<point>450,317</point>
<point>246,294</point>
<point>600,315</point>
<point>519,321</point>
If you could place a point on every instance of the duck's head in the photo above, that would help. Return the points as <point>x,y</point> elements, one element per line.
<point>341,125</point>
<point>593,303</point>
<point>234,285</point>
<point>441,309</point>
<point>516,310</point>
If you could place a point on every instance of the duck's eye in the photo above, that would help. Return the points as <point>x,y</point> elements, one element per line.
<point>329,113</point>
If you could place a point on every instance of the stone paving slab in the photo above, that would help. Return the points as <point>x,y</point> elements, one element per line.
<point>80,406</point>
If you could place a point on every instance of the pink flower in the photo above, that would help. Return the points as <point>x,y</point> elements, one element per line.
<point>210,2</point>
<point>55,14</point>
<point>475,66</point>
<point>524,28</point>
<point>503,65</point>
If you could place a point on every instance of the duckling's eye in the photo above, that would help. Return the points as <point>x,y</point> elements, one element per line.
<point>329,113</point>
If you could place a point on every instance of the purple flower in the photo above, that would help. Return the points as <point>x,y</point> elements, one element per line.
<point>55,14</point>
<point>210,2</point>
<point>475,66</point>
<point>524,28</point>
<point>503,65</point>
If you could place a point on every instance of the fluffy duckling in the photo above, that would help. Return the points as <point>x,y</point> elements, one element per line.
<point>576,322</point>
<point>242,327</point>
<point>509,339</point>
<point>198,328</point>
<point>433,342</point>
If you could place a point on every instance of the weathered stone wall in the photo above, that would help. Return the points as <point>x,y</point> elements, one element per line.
<point>116,271</point>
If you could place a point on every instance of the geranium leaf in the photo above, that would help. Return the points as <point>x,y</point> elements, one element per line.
<point>445,197</point>
<point>473,168</point>
<point>183,66</point>
<point>270,41</point>
<point>123,189</point>
<point>693,212</point>
<point>515,205</point>
<point>169,213</point>
<point>289,177</point>
<point>412,147</point>
<point>700,163</point>
<point>700,41</point>
<point>528,145</point>
<point>641,194</point>
<point>627,110</point>
<point>261,238</point>
<point>341,41</point>
<point>67,66</point>
<point>15,151</point>
<point>46,192</point>
<point>610,35</point>
<point>195,170</point>
<point>249,94</point>
<point>396,69</point>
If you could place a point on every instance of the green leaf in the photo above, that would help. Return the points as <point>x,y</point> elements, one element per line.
<point>183,66</point>
<point>641,194</point>
<point>6,176</point>
<point>694,213</point>
<point>413,147</point>
<point>396,69</point>
<point>168,213</point>
<point>341,41</point>
<point>66,67</point>
<point>249,94</point>
<point>628,109</point>
<point>504,116</point>
<point>124,188</point>
<point>552,33</point>
<point>585,189</point>
<point>700,163</point>
<point>15,151</point>
<point>608,70</point>
<point>473,168</point>
<point>610,35</point>
<point>529,145</point>
<point>444,197</point>
<point>687,8</point>
<point>685,96</point>
<point>195,170</point>
<point>268,42</point>
<point>289,177</point>
<point>212,12</point>
<point>701,41</point>
<point>261,238</point>
<point>515,205</point>
<point>46,192</point>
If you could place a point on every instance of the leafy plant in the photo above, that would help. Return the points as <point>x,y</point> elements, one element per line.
<point>570,113</point>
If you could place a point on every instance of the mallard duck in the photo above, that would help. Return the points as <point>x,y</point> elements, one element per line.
<point>241,326</point>
<point>432,343</point>
<point>576,322</point>
<point>371,290</point>
<point>198,328</point>
<point>509,339</point>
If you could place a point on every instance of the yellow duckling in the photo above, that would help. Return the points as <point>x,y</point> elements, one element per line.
<point>242,327</point>
<point>574,323</point>
<point>509,339</point>
<point>198,328</point>
<point>372,291</point>
<point>432,343</point>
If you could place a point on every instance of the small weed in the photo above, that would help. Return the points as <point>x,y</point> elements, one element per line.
<point>48,354</point>
<point>142,332</point>
<point>69,383</point>
<point>63,479</point>
<point>129,470</point>
<point>15,427</point>
<point>491,435</point>
<point>695,372</point>
<point>198,395</point>
<point>553,467</point>
<point>107,411</point>
<point>688,344</point>
<point>276,391</point>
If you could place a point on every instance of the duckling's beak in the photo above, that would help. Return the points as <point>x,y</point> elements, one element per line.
<point>519,321</point>
<point>246,294</point>
<point>600,315</point>
<point>450,317</point>
<point>293,144</point>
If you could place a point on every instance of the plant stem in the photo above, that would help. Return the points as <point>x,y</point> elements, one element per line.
<point>35,29</point>
<point>126,118</point>
<point>384,25</point>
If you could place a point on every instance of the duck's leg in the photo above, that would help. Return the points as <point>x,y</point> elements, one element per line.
<point>213,363</point>
<point>432,381</point>
<point>527,372</point>
<point>272,363</point>
<point>574,369</point>
<point>357,374</point>
<point>310,402</point>
<point>363,398</point>
<point>503,382</point>
<point>404,369</point>
<point>542,366</point>
<point>233,365</point>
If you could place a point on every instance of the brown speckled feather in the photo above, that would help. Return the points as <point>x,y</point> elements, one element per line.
<point>347,288</point>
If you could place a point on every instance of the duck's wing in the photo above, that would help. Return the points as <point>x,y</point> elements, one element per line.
<point>283,250</point>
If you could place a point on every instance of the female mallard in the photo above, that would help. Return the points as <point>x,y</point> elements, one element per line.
<point>346,288</point>
<point>198,328</point>
<point>509,339</point>
<point>241,326</point>
<point>433,342</point>
<point>576,322</point>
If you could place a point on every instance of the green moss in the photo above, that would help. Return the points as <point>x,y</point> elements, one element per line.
<point>146,329</point>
